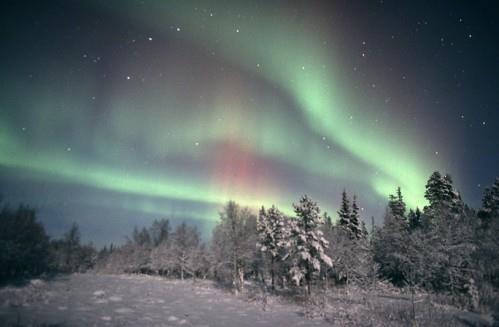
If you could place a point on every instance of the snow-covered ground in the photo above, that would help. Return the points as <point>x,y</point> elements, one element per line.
<point>140,300</point>
<point>109,300</point>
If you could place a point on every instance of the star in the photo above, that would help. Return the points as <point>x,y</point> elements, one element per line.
<point>128,77</point>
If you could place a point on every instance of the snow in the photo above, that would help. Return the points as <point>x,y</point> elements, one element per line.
<point>133,300</point>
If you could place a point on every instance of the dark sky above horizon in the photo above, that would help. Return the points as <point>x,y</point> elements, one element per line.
<point>114,113</point>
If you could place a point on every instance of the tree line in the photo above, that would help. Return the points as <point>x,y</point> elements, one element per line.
<point>445,247</point>
<point>26,250</point>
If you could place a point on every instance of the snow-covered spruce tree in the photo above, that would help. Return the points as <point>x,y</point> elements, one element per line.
<point>443,199</point>
<point>271,236</point>
<point>309,244</point>
<point>446,240</point>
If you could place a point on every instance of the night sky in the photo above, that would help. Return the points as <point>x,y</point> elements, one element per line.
<point>114,113</point>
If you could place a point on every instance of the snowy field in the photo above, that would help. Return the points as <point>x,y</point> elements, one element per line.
<point>107,300</point>
<point>140,300</point>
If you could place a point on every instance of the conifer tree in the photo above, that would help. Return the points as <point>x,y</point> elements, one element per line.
<point>444,200</point>
<point>390,248</point>
<point>354,224</point>
<point>490,202</point>
<point>363,230</point>
<point>487,255</point>
<point>328,222</point>
<point>435,189</point>
<point>447,245</point>
<point>397,205</point>
<point>271,236</point>
<point>309,244</point>
<point>345,212</point>
<point>415,219</point>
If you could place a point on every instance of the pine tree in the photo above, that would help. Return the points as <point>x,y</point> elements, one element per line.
<point>446,239</point>
<point>415,219</point>
<point>391,249</point>
<point>309,244</point>
<point>71,244</point>
<point>345,212</point>
<point>487,255</point>
<point>354,224</point>
<point>435,189</point>
<point>397,205</point>
<point>490,202</point>
<point>328,222</point>
<point>444,200</point>
<point>271,235</point>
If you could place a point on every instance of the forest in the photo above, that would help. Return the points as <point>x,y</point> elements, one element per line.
<point>446,248</point>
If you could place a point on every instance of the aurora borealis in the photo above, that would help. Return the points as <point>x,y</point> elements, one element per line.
<point>113,113</point>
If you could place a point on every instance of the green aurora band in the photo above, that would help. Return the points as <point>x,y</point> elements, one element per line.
<point>293,58</point>
<point>297,61</point>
